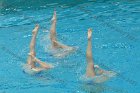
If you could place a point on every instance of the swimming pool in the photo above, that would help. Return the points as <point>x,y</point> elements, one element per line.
<point>116,26</point>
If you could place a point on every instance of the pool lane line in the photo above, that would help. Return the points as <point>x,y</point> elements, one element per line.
<point>130,81</point>
<point>128,35</point>
<point>8,51</point>
<point>117,29</point>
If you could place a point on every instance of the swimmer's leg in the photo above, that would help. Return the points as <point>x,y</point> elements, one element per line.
<point>90,72</point>
<point>41,63</point>
<point>33,41</point>
<point>37,69</point>
<point>59,45</point>
<point>32,46</point>
<point>53,28</point>
<point>53,37</point>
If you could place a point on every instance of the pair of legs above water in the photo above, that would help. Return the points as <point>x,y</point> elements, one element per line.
<point>93,70</point>
<point>90,63</point>
<point>32,60</point>
<point>53,37</point>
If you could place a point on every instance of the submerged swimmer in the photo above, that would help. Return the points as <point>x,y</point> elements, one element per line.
<point>32,60</point>
<point>54,42</point>
<point>93,72</point>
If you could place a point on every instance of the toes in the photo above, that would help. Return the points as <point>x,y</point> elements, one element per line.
<point>51,66</point>
<point>35,30</point>
<point>37,25</point>
<point>54,12</point>
<point>54,16</point>
<point>90,30</point>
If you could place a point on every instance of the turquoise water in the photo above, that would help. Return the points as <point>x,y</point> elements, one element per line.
<point>116,38</point>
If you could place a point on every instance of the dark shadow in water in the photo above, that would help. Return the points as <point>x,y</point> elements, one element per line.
<point>92,88</point>
<point>100,88</point>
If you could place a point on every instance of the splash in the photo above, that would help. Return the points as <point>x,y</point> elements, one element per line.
<point>58,53</point>
<point>100,77</point>
<point>27,69</point>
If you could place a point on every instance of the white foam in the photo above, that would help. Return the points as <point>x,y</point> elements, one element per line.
<point>59,53</point>
<point>106,75</point>
<point>27,69</point>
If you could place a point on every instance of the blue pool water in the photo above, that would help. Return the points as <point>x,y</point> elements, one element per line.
<point>116,37</point>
